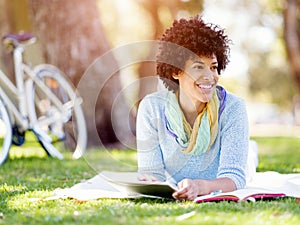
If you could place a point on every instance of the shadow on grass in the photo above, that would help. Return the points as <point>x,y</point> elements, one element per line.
<point>28,177</point>
<point>146,211</point>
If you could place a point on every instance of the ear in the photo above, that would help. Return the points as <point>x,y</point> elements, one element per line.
<point>176,76</point>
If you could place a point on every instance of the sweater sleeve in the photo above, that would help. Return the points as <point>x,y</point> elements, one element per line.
<point>234,143</point>
<point>150,160</point>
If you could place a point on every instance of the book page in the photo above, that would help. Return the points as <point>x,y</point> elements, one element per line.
<point>129,182</point>
<point>241,194</point>
<point>94,188</point>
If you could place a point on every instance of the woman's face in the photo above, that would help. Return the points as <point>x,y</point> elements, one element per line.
<point>199,79</point>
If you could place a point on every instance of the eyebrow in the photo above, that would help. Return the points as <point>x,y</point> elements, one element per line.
<point>200,62</point>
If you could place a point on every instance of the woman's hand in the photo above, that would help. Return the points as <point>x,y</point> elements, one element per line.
<point>146,177</point>
<point>189,189</point>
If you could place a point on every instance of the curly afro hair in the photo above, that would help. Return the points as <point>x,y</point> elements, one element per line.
<point>185,39</point>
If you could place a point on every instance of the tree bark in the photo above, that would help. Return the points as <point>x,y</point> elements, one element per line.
<point>292,37</point>
<point>72,38</point>
<point>6,26</point>
<point>147,70</point>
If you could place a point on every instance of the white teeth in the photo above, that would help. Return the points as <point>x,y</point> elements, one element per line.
<point>203,86</point>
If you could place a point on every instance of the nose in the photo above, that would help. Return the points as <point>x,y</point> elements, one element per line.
<point>206,75</point>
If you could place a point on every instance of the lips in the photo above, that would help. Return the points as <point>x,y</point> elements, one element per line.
<point>206,86</point>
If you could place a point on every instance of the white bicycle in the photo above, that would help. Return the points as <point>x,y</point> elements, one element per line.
<point>43,101</point>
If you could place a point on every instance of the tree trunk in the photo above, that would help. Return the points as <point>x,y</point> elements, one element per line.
<point>292,37</point>
<point>147,70</point>
<point>6,26</point>
<point>72,38</point>
<point>70,33</point>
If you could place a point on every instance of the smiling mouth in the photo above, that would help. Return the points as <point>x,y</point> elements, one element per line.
<point>205,86</point>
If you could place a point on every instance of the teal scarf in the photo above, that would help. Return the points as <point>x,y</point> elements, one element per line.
<point>198,139</point>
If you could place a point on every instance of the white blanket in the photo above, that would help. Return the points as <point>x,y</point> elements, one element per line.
<point>97,187</point>
<point>285,183</point>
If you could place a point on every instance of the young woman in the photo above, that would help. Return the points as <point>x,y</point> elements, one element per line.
<point>195,134</point>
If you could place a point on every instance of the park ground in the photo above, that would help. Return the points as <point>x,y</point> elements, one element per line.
<point>30,175</point>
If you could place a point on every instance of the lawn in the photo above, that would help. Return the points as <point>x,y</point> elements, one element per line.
<point>29,175</point>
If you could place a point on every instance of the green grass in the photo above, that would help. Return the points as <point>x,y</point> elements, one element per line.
<point>29,175</point>
<point>279,154</point>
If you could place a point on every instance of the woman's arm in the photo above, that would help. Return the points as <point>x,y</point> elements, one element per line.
<point>190,189</point>
<point>234,142</point>
<point>150,160</point>
<point>233,156</point>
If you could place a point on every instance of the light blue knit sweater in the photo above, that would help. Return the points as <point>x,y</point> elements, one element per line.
<point>160,155</point>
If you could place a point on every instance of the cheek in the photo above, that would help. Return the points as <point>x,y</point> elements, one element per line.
<point>186,81</point>
<point>216,77</point>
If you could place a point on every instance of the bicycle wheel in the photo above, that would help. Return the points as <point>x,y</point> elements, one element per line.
<point>61,122</point>
<point>5,133</point>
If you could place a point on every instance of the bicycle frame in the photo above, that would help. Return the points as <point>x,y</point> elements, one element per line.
<point>19,93</point>
<point>19,112</point>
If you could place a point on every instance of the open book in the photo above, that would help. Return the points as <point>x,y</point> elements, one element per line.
<point>129,182</point>
<point>127,185</point>
<point>247,194</point>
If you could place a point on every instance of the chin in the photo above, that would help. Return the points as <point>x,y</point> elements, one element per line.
<point>205,98</point>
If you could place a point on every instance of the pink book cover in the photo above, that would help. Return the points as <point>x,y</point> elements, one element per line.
<point>240,195</point>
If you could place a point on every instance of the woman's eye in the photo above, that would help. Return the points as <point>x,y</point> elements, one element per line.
<point>198,67</point>
<point>214,67</point>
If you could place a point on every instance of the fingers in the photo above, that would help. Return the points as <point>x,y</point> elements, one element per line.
<point>182,192</point>
<point>186,190</point>
<point>184,196</point>
<point>183,185</point>
<point>146,177</point>
<point>179,196</point>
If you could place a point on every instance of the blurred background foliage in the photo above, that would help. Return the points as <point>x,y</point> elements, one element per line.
<point>263,64</point>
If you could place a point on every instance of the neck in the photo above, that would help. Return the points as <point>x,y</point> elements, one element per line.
<point>188,105</point>
<point>190,108</point>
